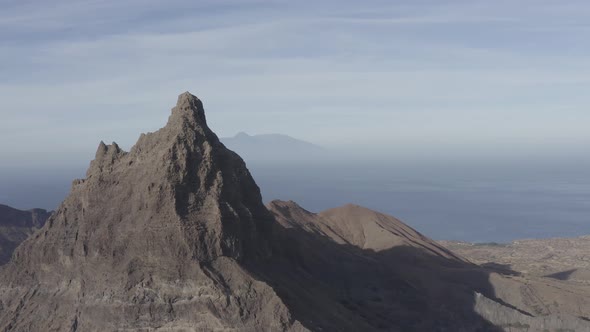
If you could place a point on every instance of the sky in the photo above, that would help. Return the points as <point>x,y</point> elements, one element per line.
<point>442,77</point>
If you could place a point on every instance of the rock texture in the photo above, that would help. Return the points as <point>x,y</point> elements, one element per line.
<point>16,226</point>
<point>151,239</point>
<point>173,236</point>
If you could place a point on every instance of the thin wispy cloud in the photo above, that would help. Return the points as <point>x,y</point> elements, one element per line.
<point>473,71</point>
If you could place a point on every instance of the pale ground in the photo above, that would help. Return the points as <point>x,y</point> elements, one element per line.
<point>566,259</point>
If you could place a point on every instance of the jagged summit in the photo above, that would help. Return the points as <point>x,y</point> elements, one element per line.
<point>189,108</point>
<point>148,231</point>
<point>187,116</point>
<point>105,156</point>
<point>185,163</point>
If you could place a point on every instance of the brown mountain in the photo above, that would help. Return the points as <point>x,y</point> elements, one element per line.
<point>16,226</point>
<point>402,280</point>
<point>150,239</point>
<point>173,236</point>
<point>358,226</point>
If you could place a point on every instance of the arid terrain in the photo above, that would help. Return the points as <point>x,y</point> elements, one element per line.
<point>564,259</point>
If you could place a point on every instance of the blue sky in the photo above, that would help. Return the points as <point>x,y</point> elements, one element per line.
<point>464,77</point>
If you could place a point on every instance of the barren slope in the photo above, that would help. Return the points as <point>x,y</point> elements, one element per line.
<point>442,280</point>
<point>565,259</point>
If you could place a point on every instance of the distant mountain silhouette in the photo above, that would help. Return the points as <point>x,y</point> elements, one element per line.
<point>272,148</point>
<point>16,226</point>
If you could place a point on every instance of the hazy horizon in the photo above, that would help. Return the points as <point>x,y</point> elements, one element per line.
<point>451,78</point>
<point>474,199</point>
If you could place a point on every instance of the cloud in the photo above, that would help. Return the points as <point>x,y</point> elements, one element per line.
<point>109,70</point>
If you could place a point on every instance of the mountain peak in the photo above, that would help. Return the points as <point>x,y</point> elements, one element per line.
<point>106,156</point>
<point>187,97</point>
<point>179,178</point>
<point>190,109</point>
<point>160,229</point>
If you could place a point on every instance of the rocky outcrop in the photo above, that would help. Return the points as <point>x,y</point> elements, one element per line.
<point>16,226</point>
<point>151,239</point>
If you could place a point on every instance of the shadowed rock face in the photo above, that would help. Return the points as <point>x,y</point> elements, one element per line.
<point>173,236</point>
<point>370,268</point>
<point>16,226</point>
<point>358,226</point>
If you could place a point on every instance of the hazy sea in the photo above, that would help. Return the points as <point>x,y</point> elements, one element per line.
<point>477,202</point>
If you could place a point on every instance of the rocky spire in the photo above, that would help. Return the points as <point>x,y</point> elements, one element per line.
<point>157,217</point>
<point>184,164</point>
<point>191,107</point>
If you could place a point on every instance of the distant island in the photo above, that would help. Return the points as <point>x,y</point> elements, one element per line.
<point>272,148</point>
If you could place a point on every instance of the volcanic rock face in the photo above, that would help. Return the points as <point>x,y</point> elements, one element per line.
<point>16,226</point>
<point>150,239</point>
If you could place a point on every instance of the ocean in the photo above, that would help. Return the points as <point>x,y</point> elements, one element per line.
<point>475,202</point>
